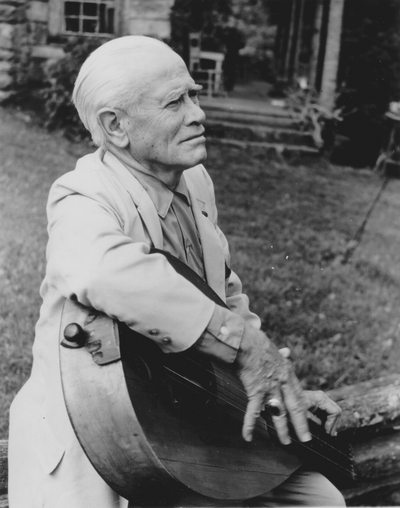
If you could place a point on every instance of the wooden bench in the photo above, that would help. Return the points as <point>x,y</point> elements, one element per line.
<point>371,419</point>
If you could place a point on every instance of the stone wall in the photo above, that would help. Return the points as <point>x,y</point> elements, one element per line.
<point>23,44</point>
<point>13,43</point>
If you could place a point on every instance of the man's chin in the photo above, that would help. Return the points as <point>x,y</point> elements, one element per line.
<point>200,157</point>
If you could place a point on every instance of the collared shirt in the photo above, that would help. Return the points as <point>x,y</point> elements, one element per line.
<point>180,237</point>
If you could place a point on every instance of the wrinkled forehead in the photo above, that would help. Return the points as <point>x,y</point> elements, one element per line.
<point>160,73</point>
<point>160,65</point>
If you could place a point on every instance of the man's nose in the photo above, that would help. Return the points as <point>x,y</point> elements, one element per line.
<point>194,113</point>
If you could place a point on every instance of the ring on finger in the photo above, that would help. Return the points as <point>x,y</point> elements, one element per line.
<point>276,407</point>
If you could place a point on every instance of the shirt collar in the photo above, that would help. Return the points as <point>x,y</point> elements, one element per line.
<point>159,193</point>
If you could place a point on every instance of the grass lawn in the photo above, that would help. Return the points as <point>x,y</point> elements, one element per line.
<point>288,225</point>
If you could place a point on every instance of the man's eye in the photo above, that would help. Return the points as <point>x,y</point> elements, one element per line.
<point>194,94</point>
<point>174,103</point>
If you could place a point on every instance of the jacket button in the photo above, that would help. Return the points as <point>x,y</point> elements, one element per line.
<point>166,340</point>
<point>204,213</point>
<point>154,331</point>
<point>224,330</point>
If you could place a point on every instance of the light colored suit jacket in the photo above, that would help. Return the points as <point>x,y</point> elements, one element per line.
<point>101,224</point>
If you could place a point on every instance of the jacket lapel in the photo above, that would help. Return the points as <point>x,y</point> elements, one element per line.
<point>214,259</point>
<point>141,199</point>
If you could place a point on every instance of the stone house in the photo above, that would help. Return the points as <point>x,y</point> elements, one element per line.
<point>37,30</point>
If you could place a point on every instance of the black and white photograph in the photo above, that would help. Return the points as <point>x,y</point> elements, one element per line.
<point>199,253</point>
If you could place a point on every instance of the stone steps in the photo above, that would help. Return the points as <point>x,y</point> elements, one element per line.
<point>256,123</point>
<point>277,149</point>
<point>254,132</point>
<point>256,117</point>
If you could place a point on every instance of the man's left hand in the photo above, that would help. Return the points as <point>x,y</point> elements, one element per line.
<point>318,400</point>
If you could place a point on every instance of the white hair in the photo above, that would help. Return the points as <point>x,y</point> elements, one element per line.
<point>105,79</point>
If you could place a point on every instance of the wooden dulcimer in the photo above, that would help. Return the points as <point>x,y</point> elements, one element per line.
<point>154,425</point>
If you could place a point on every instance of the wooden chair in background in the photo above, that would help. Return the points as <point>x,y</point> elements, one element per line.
<point>206,66</point>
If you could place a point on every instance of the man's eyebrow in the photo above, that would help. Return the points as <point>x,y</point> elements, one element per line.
<point>175,94</point>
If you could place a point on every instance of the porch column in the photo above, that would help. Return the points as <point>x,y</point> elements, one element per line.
<point>300,27</point>
<point>291,41</point>
<point>331,63</point>
<point>316,43</point>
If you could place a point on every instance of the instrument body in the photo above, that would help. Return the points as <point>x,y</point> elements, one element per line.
<point>154,425</point>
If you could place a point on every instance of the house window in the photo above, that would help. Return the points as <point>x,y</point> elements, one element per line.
<point>95,17</point>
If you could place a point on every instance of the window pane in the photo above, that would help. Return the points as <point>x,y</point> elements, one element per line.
<point>89,9</point>
<point>110,24</point>
<point>89,16</point>
<point>102,19</point>
<point>72,25</point>
<point>89,25</point>
<point>72,8</point>
<point>106,19</point>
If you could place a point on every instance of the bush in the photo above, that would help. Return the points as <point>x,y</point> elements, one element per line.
<point>58,109</point>
<point>369,75</point>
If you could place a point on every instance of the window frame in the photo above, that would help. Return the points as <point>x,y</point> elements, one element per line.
<point>57,21</point>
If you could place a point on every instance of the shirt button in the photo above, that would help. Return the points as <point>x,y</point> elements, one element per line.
<point>166,340</point>
<point>224,330</point>
<point>154,331</point>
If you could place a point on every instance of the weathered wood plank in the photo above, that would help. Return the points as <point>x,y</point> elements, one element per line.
<point>378,457</point>
<point>372,404</point>
<point>380,492</point>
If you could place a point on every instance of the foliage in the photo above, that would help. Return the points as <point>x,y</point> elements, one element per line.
<point>252,19</point>
<point>369,74</point>
<point>59,111</point>
<point>314,118</point>
<point>205,16</point>
<point>215,20</point>
<point>289,229</point>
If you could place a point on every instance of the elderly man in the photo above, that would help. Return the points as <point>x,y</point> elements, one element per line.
<point>144,187</point>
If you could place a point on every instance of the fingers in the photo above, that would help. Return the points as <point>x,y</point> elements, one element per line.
<point>285,352</point>
<point>277,412</point>
<point>296,409</point>
<point>333,411</point>
<point>331,424</point>
<point>253,411</point>
<point>311,416</point>
<point>279,419</point>
<point>319,400</point>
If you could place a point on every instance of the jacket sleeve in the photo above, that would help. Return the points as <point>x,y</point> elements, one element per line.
<point>91,260</point>
<point>224,332</point>
<point>237,301</point>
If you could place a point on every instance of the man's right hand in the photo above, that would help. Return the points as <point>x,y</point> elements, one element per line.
<point>268,376</point>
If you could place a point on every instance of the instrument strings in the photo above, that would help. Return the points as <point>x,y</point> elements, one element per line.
<point>258,423</point>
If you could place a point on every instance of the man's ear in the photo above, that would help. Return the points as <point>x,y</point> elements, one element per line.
<point>111,122</point>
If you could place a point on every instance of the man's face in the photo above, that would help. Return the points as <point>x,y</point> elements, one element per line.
<point>165,130</point>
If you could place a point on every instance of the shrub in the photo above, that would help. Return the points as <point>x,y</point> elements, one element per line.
<point>58,109</point>
<point>369,75</point>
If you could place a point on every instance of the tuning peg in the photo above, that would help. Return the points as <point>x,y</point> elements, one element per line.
<point>75,335</point>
